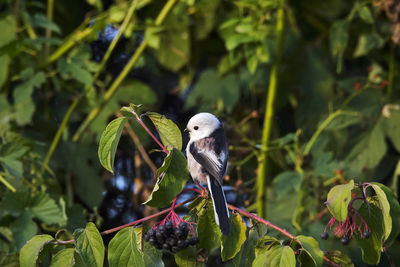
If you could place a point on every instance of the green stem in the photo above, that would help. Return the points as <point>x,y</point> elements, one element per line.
<point>57,137</point>
<point>323,125</point>
<point>269,114</point>
<point>114,86</point>
<point>392,62</point>
<point>7,184</point>
<point>96,75</point>
<point>50,9</point>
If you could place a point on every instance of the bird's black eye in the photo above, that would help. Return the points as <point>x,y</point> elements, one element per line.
<point>196,127</point>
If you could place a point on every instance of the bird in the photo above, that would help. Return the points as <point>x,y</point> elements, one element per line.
<point>207,156</point>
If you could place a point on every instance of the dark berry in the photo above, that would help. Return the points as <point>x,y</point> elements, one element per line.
<point>183,226</point>
<point>367,234</point>
<point>160,238</point>
<point>175,249</point>
<point>181,243</point>
<point>169,225</point>
<point>178,233</point>
<point>345,240</point>
<point>324,235</point>
<point>166,246</point>
<point>161,229</point>
<point>151,233</point>
<point>146,237</point>
<point>152,241</point>
<point>171,241</point>
<point>158,246</point>
<point>193,241</point>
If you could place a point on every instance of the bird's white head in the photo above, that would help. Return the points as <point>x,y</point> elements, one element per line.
<point>202,125</point>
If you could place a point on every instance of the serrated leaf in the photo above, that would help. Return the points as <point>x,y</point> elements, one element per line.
<point>23,229</point>
<point>89,245</point>
<point>46,209</point>
<point>74,70</point>
<point>385,207</point>
<point>41,20</point>
<point>30,252</point>
<point>63,258</point>
<point>338,200</point>
<point>231,244</point>
<point>172,176</point>
<point>371,247</point>
<point>123,249</point>
<point>169,133</point>
<point>109,142</point>
<point>287,182</point>
<point>207,229</point>
<point>13,166</point>
<point>311,247</point>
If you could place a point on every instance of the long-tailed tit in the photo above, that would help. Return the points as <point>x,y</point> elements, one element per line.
<point>207,154</point>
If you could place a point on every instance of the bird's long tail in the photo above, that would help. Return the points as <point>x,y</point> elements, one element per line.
<point>220,207</point>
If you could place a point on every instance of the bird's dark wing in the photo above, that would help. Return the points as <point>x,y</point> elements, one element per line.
<point>211,154</point>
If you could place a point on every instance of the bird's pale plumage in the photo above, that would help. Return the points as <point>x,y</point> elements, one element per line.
<point>207,153</point>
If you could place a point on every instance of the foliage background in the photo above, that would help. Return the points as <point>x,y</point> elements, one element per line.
<point>332,62</point>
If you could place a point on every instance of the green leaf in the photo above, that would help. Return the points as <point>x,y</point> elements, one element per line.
<point>89,245</point>
<point>41,20</point>
<point>74,70</point>
<point>211,89</point>
<point>311,247</point>
<point>13,166</point>
<point>339,36</point>
<point>30,252</point>
<point>109,143</point>
<point>276,255</point>
<point>46,209</point>
<point>169,133</point>
<point>23,103</point>
<point>246,254</point>
<point>371,247</point>
<point>340,258</point>
<point>394,208</point>
<point>343,120</point>
<point>231,244</point>
<point>369,151</point>
<point>367,43</point>
<point>385,207</point>
<point>392,127</point>
<point>188,258</point>
<point>152,256</point>
<point>174,52</point>
<point>287,182</point>
<point>205,17</point>
<point>63,258</point>
<point>366,14</point>
<point>207,229</point>
<point>8,34</point>
<point>338,200</point>
<point>23,229</point>
<point>123,249</point>
<point>172,176</point>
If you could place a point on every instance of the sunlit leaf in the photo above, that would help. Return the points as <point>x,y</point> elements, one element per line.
<point>123,249</point>
<point>231,244</point>
<point>338,200</point>
<point>169,133</point>
<point>89,245</point>
<point>109,143</point>
<point>311,247</point>
<point>30,252</point>
<point>63,258</point>
<point>172,176</point>
<point>207,229</point>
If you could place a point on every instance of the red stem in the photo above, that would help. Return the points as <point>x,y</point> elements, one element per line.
<point>261,220</point>
<point>149,132</point>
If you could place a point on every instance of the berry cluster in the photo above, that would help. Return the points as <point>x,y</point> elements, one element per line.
<point>170,237</point>
<point>346,239</point>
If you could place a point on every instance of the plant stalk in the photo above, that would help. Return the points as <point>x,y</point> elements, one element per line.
<point>269,114</point>
<point>114,86</point>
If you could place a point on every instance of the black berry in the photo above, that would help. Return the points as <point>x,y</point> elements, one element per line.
<point>158,246</point>
<point>345,240</point>
<point>175,249</point>
<point>151,232</point>
<point>178,233</point>
<point>166,246</point>
<point>181,243</point>
<point>324,235</point>
<point>146,237</point>
<point>152,241</point>
<point>161,229</point>
<point>169,225</point>
<point>193,241</point>
<point>367,234</point>
<point>183,226</point>
<point>171,241</point>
